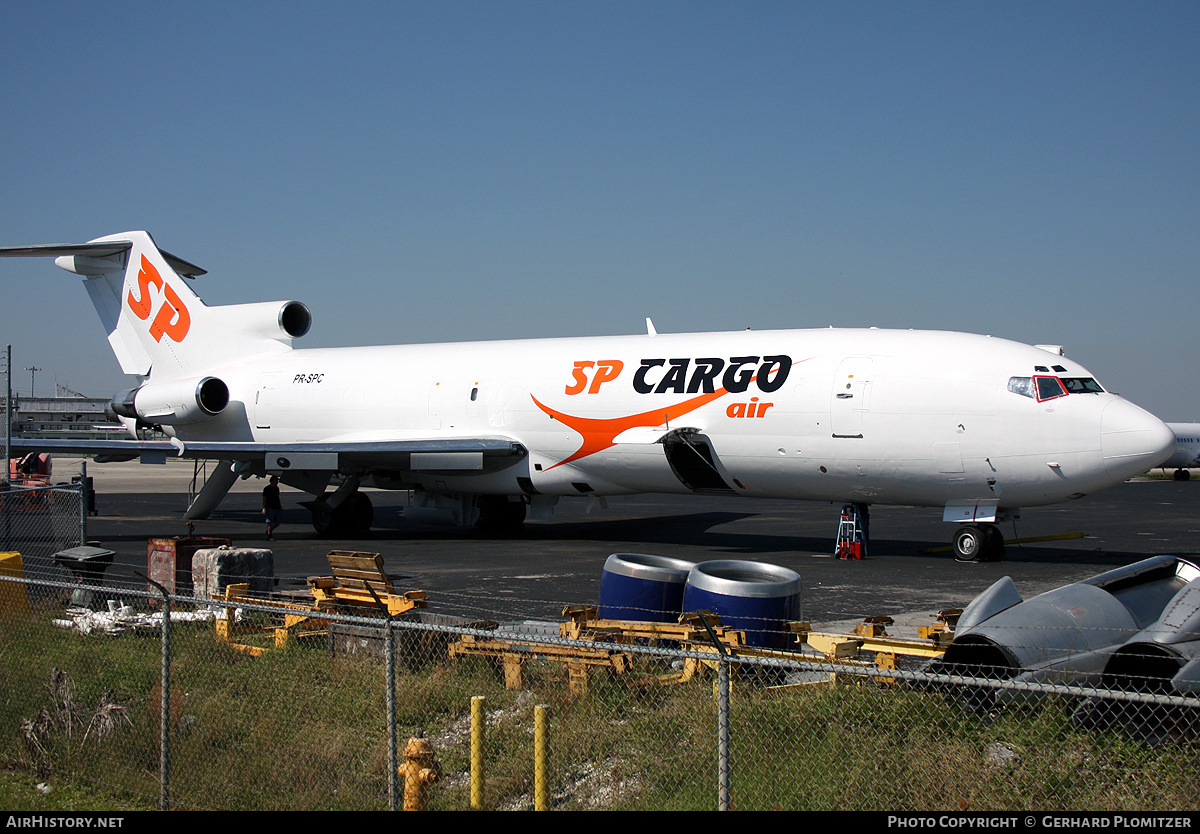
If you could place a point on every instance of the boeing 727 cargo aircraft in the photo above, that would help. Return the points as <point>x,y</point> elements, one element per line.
<point>487,432</point>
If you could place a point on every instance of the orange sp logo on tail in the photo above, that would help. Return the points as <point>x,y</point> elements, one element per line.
<point>172,319</point>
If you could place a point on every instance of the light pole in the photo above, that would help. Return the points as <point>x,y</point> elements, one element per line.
<point>7,411</point>
<point>32,379</point>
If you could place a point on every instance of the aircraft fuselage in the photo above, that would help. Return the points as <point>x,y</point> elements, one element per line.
<point>868,416</point>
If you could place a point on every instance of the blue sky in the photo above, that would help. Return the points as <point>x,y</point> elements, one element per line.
<point>428,171</point>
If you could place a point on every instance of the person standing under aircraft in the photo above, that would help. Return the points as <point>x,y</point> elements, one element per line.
<point>272,508</point>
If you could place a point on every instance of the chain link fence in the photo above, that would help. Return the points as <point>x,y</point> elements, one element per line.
<point>290,703</point>
<point>39,522</point>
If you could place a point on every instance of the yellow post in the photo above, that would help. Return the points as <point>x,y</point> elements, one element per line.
<point>477,752</point>
<point>539,757</point>
<point>14,598</point>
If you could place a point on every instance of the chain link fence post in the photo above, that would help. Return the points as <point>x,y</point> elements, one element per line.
<point>722,714</point>
<point>389,648</point>
<point>723,733</point>
<point>83,502</point>
<point>164,718</point>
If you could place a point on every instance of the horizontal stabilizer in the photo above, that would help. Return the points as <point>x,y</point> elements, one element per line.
<point>96,250</point>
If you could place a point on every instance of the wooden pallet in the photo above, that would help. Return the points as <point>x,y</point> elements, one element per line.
<point>358,581</point>
<point>358,584</point>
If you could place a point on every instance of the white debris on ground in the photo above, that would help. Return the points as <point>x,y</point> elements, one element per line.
<point>120,618</point>
<point>591,786</point>
<point>588,785</point>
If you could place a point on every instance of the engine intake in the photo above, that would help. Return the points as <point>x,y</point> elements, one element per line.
<point>294,319</point>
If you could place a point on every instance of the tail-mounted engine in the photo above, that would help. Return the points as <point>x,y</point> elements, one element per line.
<point>266,319</point>
<point>172,403</point>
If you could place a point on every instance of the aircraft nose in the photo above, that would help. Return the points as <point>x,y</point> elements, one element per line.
<point>1133,440</point>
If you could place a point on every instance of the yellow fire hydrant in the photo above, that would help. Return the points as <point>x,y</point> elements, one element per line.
<point>419,771</point>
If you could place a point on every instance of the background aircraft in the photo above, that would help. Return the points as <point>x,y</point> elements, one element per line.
<point>1187,449</point>
<point>485,433</point>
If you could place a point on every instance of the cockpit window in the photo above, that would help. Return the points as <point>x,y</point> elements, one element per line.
<point>1022,385</point>
<point>1048,387</point>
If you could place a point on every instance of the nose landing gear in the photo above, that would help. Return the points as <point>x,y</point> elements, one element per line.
<point>978,543</point>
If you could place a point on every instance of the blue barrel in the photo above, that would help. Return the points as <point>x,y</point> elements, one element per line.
<point>750,596</point>
<point>639,586</point>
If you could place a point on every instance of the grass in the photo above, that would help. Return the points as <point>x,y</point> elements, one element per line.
<point>298,729</point>
<point>23,791</point>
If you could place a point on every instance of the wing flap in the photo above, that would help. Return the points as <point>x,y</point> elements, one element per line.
<point>424,454</point>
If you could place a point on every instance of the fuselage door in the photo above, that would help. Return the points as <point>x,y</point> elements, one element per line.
<point>264,398</point>
<point>851,394</point>
<point>694,462</point>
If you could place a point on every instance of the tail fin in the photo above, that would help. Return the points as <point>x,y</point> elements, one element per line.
<point>155,321</point>
<point>147,308</point>
<point>145,305</point>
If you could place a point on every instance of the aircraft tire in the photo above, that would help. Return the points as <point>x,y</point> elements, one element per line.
<point>1182,474</point>
<point>323,520</point>
<point>968,543</point>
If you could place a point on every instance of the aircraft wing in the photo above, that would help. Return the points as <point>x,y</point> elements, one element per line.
<point>461,454</point>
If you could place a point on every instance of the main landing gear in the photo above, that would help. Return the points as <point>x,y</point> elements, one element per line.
<point>978,543</point>
<point>1181,474</point>
<point>352,517</point>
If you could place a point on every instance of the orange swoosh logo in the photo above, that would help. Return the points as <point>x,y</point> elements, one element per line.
<point>600,433</point>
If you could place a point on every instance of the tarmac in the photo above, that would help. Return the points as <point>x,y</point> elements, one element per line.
<point>909,573</point>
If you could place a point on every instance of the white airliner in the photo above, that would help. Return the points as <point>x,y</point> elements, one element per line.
<point>1187,449</point>
<point>491,431</point>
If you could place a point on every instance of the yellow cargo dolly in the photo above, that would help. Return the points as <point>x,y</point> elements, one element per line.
<point>297,621</point>
<point>512,655</point>
<point>870,635</point>
<point>583,625</point>
<point>690,633</point>
<point>355,576</point>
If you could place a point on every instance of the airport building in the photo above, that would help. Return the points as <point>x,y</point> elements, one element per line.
<point>66,418</point>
